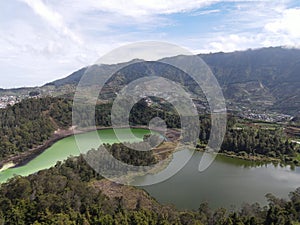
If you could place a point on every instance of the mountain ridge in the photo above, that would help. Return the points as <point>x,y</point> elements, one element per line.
<point>265,79</point>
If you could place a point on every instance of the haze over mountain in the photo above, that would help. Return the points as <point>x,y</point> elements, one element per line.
<point>265,79</point>
<point>262,79</point>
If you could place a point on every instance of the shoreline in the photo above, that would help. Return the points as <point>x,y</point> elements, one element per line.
<point>7,166</point>
<point>23,158</point>
<point>250,158</point>
<point>258,159</point>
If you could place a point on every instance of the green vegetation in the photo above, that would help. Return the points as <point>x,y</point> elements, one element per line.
<point>129,155</point>
<point>264,79</point>
<point>31,122</point>
<point>296,121</point>
<point>68,194</point>
<point>72,193</point>
<point>254,141</point>
<point>140,114</point>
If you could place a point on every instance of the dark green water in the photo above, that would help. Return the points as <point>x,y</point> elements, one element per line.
<point>225,183</point>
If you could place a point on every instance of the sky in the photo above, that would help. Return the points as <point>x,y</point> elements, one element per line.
<point>43,40</point>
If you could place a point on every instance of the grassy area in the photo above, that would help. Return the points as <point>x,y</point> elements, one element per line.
<point>267,125</point>
<point>298,157</point>
<point>259,125</point>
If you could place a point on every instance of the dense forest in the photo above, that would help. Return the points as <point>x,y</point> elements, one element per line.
<point>70,193</point>
<point>126,154</point>
<point>250,140</point>
<point>272,143</point>
<point>31,122</point>
<point>130,156</point>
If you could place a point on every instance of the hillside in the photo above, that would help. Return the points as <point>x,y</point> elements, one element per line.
<point>72,193</point>
<point>30,123</point>
<point>265,79</point>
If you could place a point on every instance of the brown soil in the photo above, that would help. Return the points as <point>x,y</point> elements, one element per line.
<point>130,197</point>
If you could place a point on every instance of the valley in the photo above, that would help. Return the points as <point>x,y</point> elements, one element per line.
<point>259,154</point>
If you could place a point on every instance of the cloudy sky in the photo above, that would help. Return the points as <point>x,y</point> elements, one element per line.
<point>42,40</point>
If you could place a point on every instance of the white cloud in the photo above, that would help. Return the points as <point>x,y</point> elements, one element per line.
<point>206,12</point>
<point>138,8</point>
<point>247,26</point>
<point>287,24</point>
<point>42,40</point>
<point>52,17</point>
<point>230,43</point>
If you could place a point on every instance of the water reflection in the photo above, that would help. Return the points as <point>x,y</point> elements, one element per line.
<point>228,181</point>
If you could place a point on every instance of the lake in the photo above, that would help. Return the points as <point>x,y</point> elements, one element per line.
<point>225,183</point>
<point>67,147</point>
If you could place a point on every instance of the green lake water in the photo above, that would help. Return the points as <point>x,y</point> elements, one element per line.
<point>67,147</point>
<point>225,183</point>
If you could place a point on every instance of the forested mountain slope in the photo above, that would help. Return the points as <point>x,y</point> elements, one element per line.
<point>268,77</point>
<point>72,193</point>
<point>31,122</point>
<point>261,79</point>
